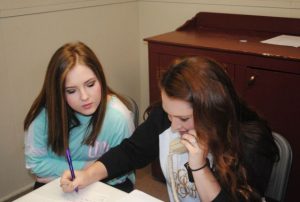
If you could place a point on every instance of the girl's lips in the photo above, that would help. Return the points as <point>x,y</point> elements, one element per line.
<point>87,106</point>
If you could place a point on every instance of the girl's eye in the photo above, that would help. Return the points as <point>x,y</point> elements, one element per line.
<point>91,84</point>
<point>70,91</point>
<point>184,119</point>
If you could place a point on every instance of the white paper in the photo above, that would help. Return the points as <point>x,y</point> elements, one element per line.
<point>97,192</point>
<point>284,40</point>
<point>138,196</point>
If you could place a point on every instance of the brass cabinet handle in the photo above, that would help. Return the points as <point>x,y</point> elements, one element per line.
<point>251,80</point>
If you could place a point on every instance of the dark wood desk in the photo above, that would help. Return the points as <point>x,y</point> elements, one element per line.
<point>266,76</point>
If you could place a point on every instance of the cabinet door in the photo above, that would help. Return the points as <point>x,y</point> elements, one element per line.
<point>276,96</point>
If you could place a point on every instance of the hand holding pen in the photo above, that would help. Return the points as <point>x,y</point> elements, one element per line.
<point>69,159</point>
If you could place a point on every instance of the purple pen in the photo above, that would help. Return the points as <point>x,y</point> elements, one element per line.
<point>69,159</point>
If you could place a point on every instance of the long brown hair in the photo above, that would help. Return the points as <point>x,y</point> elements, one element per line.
<point>217,111</point>
<point>61,118</point>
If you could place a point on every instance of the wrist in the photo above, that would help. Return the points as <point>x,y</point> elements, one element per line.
<point>191,170</point>
<point>96,172</point>
<point>196,168</point>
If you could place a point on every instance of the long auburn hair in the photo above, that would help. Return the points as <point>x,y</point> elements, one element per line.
<point>218,112</point>
<point>61,118</point>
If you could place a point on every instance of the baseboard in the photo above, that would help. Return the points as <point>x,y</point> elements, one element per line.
<point>16,194</point>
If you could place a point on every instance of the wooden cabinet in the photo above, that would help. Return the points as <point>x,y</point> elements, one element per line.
<point>266,76</point>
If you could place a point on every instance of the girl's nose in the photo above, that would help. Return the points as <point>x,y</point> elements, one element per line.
<point>175,125</point>
<point>83,95</point>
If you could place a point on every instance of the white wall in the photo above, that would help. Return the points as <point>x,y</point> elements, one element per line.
<point>30,31</point>
<point>29,35</point>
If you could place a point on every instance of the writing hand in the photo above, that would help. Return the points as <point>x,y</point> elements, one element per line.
<point>69,185</point>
